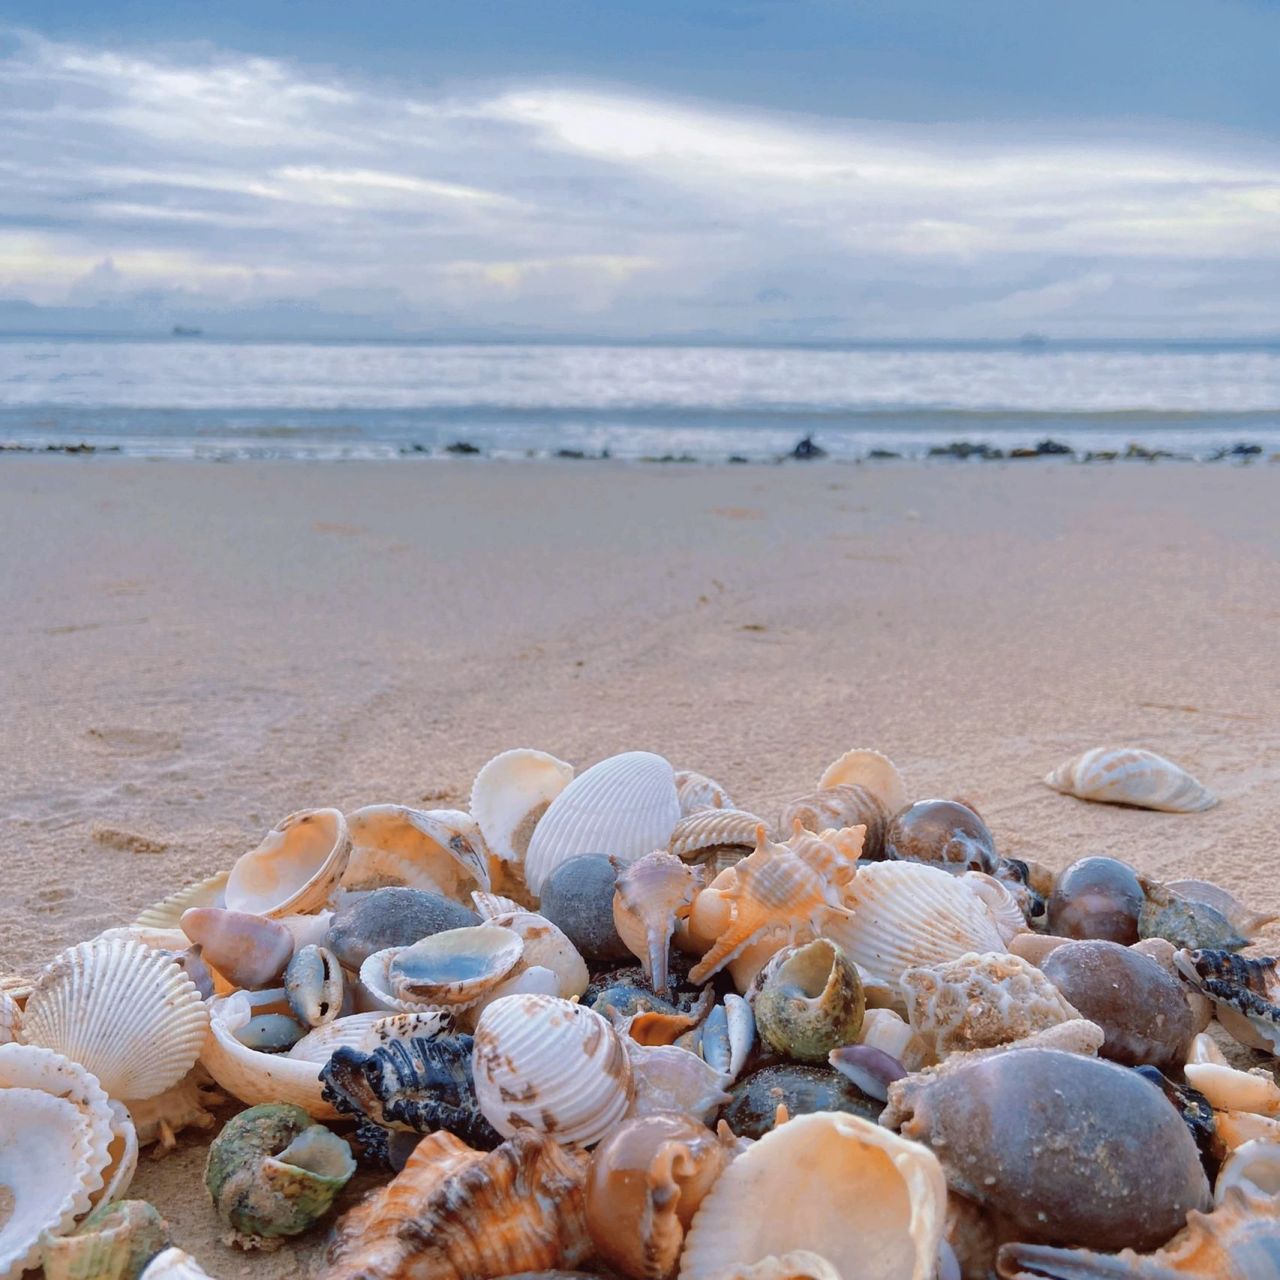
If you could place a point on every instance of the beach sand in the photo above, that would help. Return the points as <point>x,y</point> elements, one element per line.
<point>191,651</point>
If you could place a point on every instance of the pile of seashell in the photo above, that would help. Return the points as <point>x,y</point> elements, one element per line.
<point>613,1024</point>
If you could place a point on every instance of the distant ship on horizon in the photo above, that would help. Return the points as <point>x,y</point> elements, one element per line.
<point>186,331</point>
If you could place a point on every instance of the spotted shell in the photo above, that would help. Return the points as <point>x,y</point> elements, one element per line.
<point>1130,775</point>
<point>295,868</point>
<point>440,850</point>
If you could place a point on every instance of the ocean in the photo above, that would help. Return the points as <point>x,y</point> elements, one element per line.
<point>204,397</point>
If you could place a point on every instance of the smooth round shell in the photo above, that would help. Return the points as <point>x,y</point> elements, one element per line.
<point>754,1101</point>
<point>1096,898</point>
<point>810,1001</point>
<point>942,831</point>
<point>1130,775</point>
<point>510,795</point>
<point>295,868</point>
<point>247,950</point>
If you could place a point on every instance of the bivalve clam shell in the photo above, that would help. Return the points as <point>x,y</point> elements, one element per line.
<point>546,947</point>
<point>456,968</point>
<point>295,868</point>
<point>862,767</point>
<point>1130,775</point>
<point>510,795</point>
<point>439,850</point>
<point>166,913</point>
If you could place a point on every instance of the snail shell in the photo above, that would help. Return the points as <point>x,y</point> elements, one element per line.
<point>810,1001</point>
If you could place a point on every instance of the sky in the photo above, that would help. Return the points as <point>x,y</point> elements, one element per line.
<point>773,170</point>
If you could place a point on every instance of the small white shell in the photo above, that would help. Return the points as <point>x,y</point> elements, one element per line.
<point>295,868</point>
<point>697,792</point>
<point>543,1063</point>
<point>1229,1089</point>
<point>1253,1166</point>
<point>548,947</point>
<point>128,1014</point>
<point>510,795</point>
<point>885,1030</point>
<point>440,850</point>
<point>625,806</point>
<point>870,769</point>
<point>1130,775</point>
<point>173,1264</point>
<point>668,1078</point>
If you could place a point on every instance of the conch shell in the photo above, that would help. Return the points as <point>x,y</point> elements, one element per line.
<point>651,897</point>
<point>1130,775</point>
<point>295,868</point>
<point>440,850</point>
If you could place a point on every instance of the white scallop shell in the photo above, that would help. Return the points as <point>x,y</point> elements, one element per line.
<point>1000,901</point>
<point>365,1031</point>
<point>548,947</point>
<point>904,914</point>
<point>123,1154</point>
<point>712,828</point>
<point>697,792</point>
<point>295,868</point>
<point>510,795</point>
<point>544,1063</point>
<point>174,1264</point>
<point>869,1201</point>
<point>166,913</point>
<point>10,1019</point>
<point>668,1078</point>
<point>870,769</point>
<point>128,1014</point>
<point>1130,775</point>
<point>625,806</point>
<point>440,850</point>
<point>1254,1167</point>
<point>255,1077</point>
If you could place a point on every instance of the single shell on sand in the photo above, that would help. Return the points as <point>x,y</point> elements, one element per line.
<point>871,1203</point>
<point>1245,991</point>
<point>810,1001</point>
<point>1097,898</point>
<point>1130,775</point>
<point>1058,1143</point>
<point>114,1242</point>
<point>247,950</point>
<point>767,1097</point>
<point>440,850</point>
<point>510,795</point>
<point>127,1013</point>
<point>646,1182</point>
<point>625,806</point>
<point>652,895</point>
<point>942,831</point>
<point>295,868</point>
<point>369,922</point>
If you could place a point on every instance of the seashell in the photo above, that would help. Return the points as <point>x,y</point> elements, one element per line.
<point>125,1012</point>
<point>798,1264</point>
<point>1240,917</point>
<point>810,1001</point>
<point>114,1242</point>
<point>698,835</point>
<point>871,1070</point>
<point>1185,922</point>
<point>1081,1172</point>
<point>166,913</point>
<point>547,947</point>
<point>455,968</point>
<point>843,806</point>
<point>489,905</point>
<point>1230,1089</point>
<point>439,850</point>
<point>906,914</point>
<point>941,831</point>
<point>650,1174</point>
<point>624,806</point>
<point>377,988</point>
<point>1196,1113</point>
<point>651,896</point>
<point>247,950</point>
<point>457,1214</point>
<point>122,1155</point>
<point>1015,875</point>
<point>510,795</point>
<point>1244,992</point>
<point>577,897</point>
<point>386,918</point>
<point>367,1031</point>
<point>311,930</point>
<point>696,793</point>
<point>885,1030</point>
<point>871,1203</point>
<point>1035,948</point>
<point>794,1090</point>
<point>869,769</point>
<point>273,1172</point>
<point>667,1078</point>
<point>10,1019</point>
<point>295,868</point>
<point>1235,1128</point>
<point>314,986</point>
<point>255,1077</point>
<point>184,1106</point>
<point>1130,775</point>
<point>980,1001</point>
<point>174,1264</point>
<point>1097,898</point>
<point>543,1063</point>
<point>1005,907</point>
<point>1253,1167</point>
<point>727,1035</point>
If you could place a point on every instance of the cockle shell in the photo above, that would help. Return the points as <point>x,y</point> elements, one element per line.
<point>174,1264</point>
<point>489,905</point>
<point>457,1214</point>
<point>247,950</point>
<point>1130,775</point>
<point>696,835</point>
<point>377,992</point>
<point>547,947</point>
<point>166,913</point>
<point>809,1001</point>
<point>455,969</point>
<point>903,915</point>
<point>295,868</point>
<point>869,769</point>
<point>696,792</point>
<point>871,1203</point>
<point>113,1243</point>
<point>651,896</point>
<point>440,850</point>
<point>979,1001</point>
<point>184,1106</point>
<point>128,1014</point>
<point>1005,908</point>
<point>666,1078</point>
<point>510,795</point>
<point>544,1063</point>
<point>625,806</point>
<point>650,1174</point>
<point>1244,990</point>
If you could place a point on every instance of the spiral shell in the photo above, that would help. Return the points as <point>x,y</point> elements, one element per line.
<point>439,850</point>
<point>295,868</point>
<point>652,896</point>
<point>113,1243</point>
<point>697,792</point>
<point>1130,775</point>
<point>810,1001</point>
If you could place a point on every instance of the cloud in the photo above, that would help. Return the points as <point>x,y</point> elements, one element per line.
<point>224,183</point>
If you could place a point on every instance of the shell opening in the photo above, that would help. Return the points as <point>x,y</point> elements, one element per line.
<point>809,969</point>
<point>316,1150</point>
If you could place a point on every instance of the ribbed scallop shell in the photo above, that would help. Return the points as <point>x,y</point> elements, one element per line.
<point>488,906</point>
<point>872,1203</point>
<point>126,1013</point>
<point>440,850</point>
<point>510,795</point>
<point>904,914</point>
<point>697,792</point>
<point>1000,901</point>
<point>174,1264</point>
<point>713,828</point>
<point>625,806</point>
<point>842,806</point>
<point>166,913</point>
<point>255,1077</point>
<point>865,768</point>
<point>10,1019</point>
<point>1130,775</point>
<point>543,1063</point>
<point>295,868</point>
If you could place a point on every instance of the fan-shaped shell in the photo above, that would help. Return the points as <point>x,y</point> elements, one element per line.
<point>698,833</point>
<point>864,768</point>
<point>543,1063</point>
<point>379,991</point>
<point>295,868</point>
<point>906,914</point>
<point>510,795</point>
<point>698,792</point>
<point>440,850</point>
<point>836,807</point>
<point>625,806</point>
<point>489,905</point>
<point>1130,775</point>
<point>871,1203</point>
<point>547,947</point>
<point>127,1013</point>
<point>166,913</point>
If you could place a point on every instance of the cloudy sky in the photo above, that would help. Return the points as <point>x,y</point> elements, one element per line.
<point>790,169</point>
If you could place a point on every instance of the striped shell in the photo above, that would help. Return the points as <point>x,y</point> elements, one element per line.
<point>440,850</point>
<point>709,829</point>
<point>166,913</point>
<point>126,1013</point>
<point>295,868</point>
<point>510,795</point>
<point>625,806</point>
<point>869,769</point>
<point>365,1032</point>
<point>1130,775</point>
<point>543,1063</point>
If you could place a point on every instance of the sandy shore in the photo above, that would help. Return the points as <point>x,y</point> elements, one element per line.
<point>191,651</point>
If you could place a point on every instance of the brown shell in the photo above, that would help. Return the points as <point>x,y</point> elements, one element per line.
<point>840,806</point>
<point>457,1214</point>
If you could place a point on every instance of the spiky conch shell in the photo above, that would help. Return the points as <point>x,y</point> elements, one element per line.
<point>625,806</point>
<point>439,850</point>
<point>511,793</point>
<point>906,914</point>
<point>697,792</point>
<point>870,1202</point>
<point>1130,775</point>
<point>544,1063</point>
<point>55,1145</point>
<point>696,833</point>
<point>457,1214</point>
<point>130,1015</point>
<point>174,1264</point>
<point>837,807</point>
<point>651,897</point>
<point>295,868</point>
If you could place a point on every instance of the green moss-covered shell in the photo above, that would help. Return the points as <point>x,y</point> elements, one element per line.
<point>115,1242</point>
<point>810,1002</point>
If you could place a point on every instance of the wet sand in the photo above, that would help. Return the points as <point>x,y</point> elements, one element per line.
<point>191,651</point>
